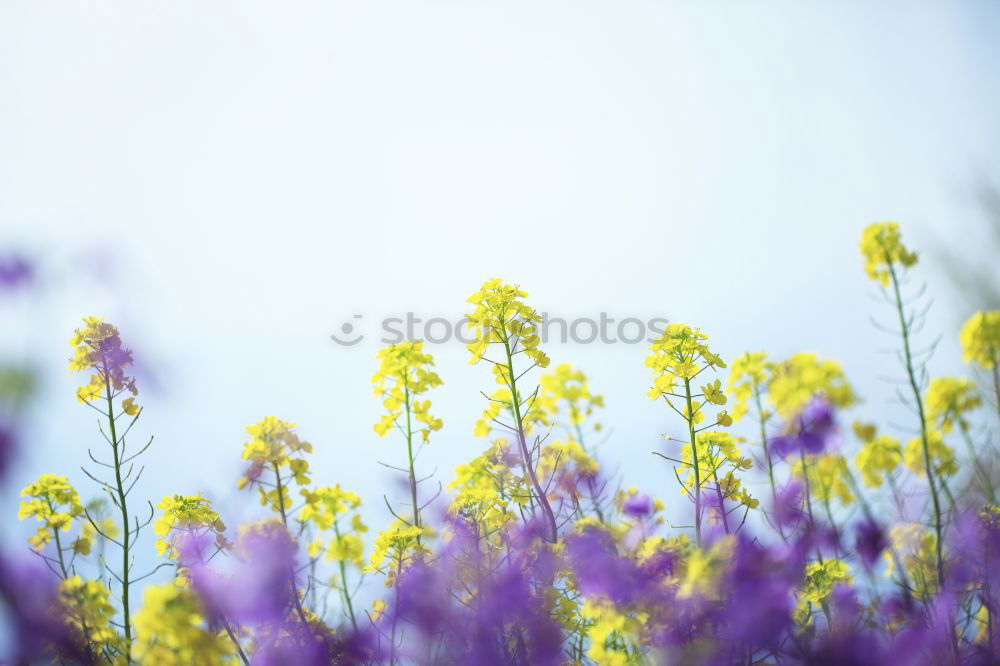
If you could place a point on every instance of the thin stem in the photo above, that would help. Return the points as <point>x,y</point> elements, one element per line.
<point>911,375</point>
<point>343,582</point>
<point>984,479</point>
<point>525,455</point>
<point>409,457</point>
<point>236,642</point>
<point>695,463</point>
<point>281,493</point>
<point>126,529</point>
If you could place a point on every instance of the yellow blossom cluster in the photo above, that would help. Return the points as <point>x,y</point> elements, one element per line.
<point>948,400</point>
<point>501,317</point>
<point>274,447</point>
<point>405,371</point>
<point>879,455</point>
<point>980,339</point>
<point>882,247</point>
<point>942,456</point>
<point>53,502</point>
<point>748,377</point>
<point>88,609</point>
<point>818,583</point>
<point>827,478</point>
<point>804,376</point>
<point>98,347</point>
<point>325,508</point>
<point>186,514</point>
<point>396,548</point>
<point>565,389</point>
<point>171,631</point>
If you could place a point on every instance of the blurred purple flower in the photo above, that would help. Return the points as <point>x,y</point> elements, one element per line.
<point>871,541</point>
<point>8,444</point>
<point>811,432</point>
<point>759,587</point>
<point>787,510</point>
<point>601,571</point>
<point>481,611</point>
<point>29,596</point>
<point>638,506</point>
<point>15,271</point>
<point>259,590</point>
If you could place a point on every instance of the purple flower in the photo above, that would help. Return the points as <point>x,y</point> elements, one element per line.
<point>600,571</point>
<point>259,590</point>
<point>638,506</point>
<point>8,444</point>
<point>787,510</point>
<point>28,597</point>
<point>812,431</point>
<point>480,609</point>
<point>871,541</point>
<point>14,272</point>
<point>759,589</point>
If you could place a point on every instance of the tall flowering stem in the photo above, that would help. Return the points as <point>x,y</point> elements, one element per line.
<point>677,357</point>
<point>885,255</point>
<point>501,317</point>
<point>405,372</point>
<point>274,446</point>
<point>98,349</point>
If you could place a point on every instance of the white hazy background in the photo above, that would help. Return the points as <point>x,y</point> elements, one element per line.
<point>231,181</point>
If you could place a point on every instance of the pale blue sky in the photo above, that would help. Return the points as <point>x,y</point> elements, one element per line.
<point>257,172</point>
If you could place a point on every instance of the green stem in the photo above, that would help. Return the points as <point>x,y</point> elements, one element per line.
<point>59,548</point>
<point>126,531</point>
<point>696,464</point>
<point>409,454</point>
<point>343,582</point>
<point>526,457</point>
<point>281,493</point>
<point>762,421</point>
<point>911,375</point>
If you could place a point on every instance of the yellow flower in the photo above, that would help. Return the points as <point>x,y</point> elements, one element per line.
<point>748,376</point>
<point>980,338</point>
<point>326,509</point>
<point>404,372</point>
<point>54,503</point>
<point>827,480</point>
<point>171,630</point>
<point>397,548</point>
<point>274,448</point>
<point>804,376</point>
<point>713,393</point>
<point>188,513</point>
<point>486,487</point>
<point>98,347</point>
<point>879,455</point>
<point>941,455</point>
<point>948,400</point>
<point>565,388</point>
<point>675,356</point>
<point>882,247</point>
<point>500,316</point>
<point>820,577</point>
<point>88,609</point>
